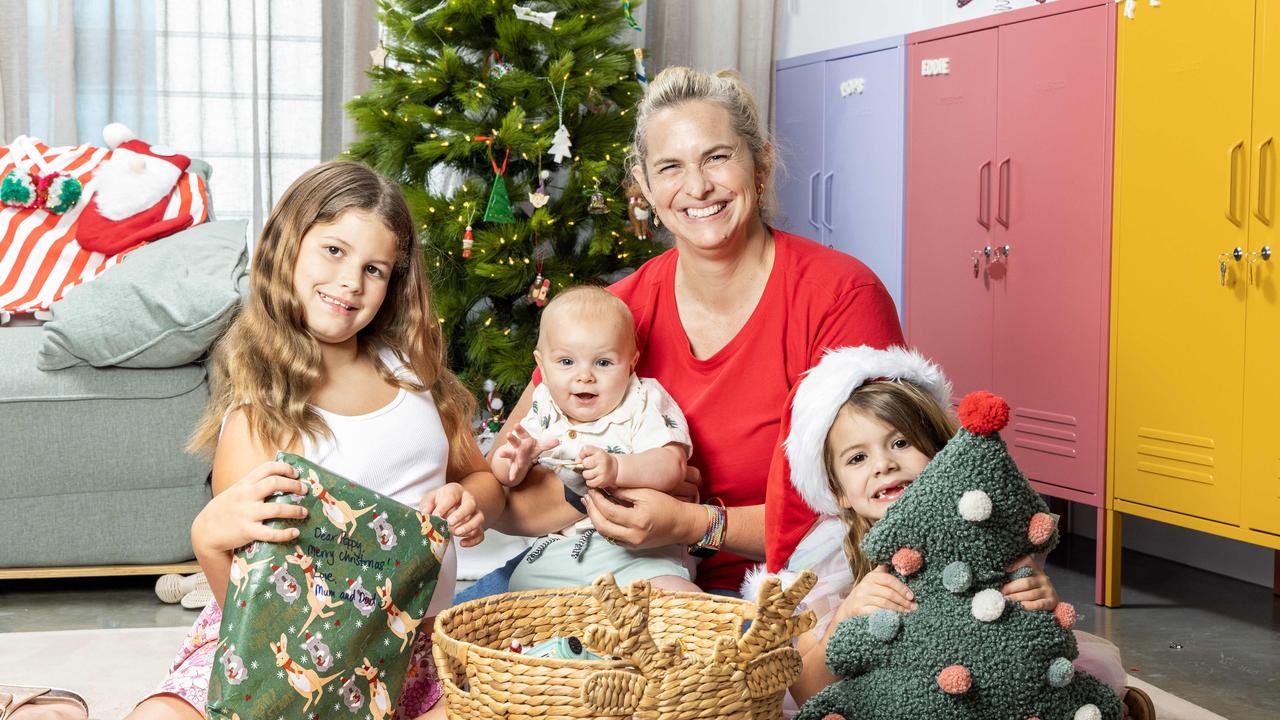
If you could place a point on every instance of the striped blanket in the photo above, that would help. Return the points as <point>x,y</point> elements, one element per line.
<point>39,256</point>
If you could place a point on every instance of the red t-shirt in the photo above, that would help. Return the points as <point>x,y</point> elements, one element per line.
<point>736,400</point>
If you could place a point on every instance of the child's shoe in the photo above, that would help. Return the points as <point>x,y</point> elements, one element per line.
<point>1138,705</point>
<point>199,596</point>
<point>172,587</point>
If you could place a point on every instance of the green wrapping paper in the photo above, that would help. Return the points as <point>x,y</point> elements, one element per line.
<point>324,626</point>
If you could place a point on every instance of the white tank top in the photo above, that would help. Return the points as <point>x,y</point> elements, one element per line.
<point>400,450</point>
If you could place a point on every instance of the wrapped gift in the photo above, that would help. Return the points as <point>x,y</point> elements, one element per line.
<point>324,625</point>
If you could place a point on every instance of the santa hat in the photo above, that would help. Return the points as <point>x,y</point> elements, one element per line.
<point>822,393</point>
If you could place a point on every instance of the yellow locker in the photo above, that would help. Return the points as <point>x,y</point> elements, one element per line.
<point>1261,496</point>
<point>1184,89</point>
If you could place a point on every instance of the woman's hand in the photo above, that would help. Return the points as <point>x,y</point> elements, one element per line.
<point>458,508</point>
<point>237,516</point>
<point>599,468</point>
<point>877,590</point>
<point>652,518</point>
<point>520,450</point>
<point>1036,591</point>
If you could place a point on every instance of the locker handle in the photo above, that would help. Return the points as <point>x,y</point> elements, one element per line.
<point>1002,207</point>
<point>812,195</point>
<point>1264,174</point>
<point>1236,151</point>
<point>984,195</point>
<point>826,199</point>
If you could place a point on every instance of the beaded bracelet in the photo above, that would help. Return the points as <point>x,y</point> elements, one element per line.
<point>717,527</point>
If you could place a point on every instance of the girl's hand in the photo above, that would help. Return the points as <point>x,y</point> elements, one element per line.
<point>599,468</point>
<point>237,516</point>
<point>877,590</point>
<point>520,450</point>
<point>458,508</point>
<point>653,518</point>
<point>1036,591</point>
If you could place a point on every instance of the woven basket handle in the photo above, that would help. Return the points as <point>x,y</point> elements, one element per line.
<point>613,692</point>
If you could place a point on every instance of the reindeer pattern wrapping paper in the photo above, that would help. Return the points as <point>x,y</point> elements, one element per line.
<point>323,627</point>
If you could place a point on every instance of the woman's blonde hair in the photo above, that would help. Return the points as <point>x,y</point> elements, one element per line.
<point>907,408</point>
<point>267,364</point>
<point>675,86</point>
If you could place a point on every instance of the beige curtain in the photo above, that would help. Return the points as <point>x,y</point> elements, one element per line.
<point>254,87</point>
<point>712,35</point>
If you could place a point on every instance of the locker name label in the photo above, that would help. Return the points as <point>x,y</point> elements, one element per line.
<point>935,66</point>
<point>853,86</point>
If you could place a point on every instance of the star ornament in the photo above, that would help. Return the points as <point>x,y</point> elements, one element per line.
<point>379,54</point>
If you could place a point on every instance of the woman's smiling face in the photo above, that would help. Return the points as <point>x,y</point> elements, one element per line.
<point>699,174</point>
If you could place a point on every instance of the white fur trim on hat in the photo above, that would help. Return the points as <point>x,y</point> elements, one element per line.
<point>753,581</point>
<point>824,390</point>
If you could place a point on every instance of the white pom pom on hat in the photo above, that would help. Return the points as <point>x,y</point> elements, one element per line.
<point>824,390</point>
<point>116,134</point>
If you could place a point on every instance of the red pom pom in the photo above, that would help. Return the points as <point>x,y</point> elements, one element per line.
<point>908,561</point>
<point>955,680</point>
<point>1066,615</point>
<point>1040,529</point>
<point>982,413</point>
<point>832,716</point>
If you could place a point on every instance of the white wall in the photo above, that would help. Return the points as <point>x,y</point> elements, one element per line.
<point>806,26</point>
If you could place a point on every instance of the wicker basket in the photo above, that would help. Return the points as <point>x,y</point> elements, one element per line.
<point>682,655</point>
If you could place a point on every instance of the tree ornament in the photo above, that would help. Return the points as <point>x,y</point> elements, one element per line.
<point>523,12</point>
<point>597,205</point>
<point>538,198</point>
<point>631,18</point>
<point>642,77</point>
<point>638,212</point>
<point>467,242</point>
<point>379,54</point>
<point>560,142</point>
<point>541,286</point>
<point>499,207</point>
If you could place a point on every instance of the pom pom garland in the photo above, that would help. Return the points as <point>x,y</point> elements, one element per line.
<point>983,413</point>
<point>955,680</point>
<point>1040,529</point>
<point>988,605</point>
<point>883,625</point>
<point>957,577</point>
<point>974,506</point>
<point>1061,672</point>
<point>907,561</point>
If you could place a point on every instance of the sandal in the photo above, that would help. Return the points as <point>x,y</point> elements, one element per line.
<point>170,588</point>
<point>1138,705</point>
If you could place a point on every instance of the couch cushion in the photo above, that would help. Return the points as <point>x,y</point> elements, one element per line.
<point>162,307</point>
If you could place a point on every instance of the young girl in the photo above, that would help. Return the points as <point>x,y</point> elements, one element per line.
<point>335,356</point>
<point>598,426</point>
<point>865,423</point>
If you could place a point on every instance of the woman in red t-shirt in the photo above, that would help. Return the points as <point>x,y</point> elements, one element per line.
<point>727,321</point>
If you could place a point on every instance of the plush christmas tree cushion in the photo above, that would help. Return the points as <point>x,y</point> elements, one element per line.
<point>324,626</point>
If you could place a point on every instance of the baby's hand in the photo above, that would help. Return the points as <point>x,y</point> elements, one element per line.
<point>1036,591</point>
<point>521,450</point>
<point>877,590</point>
<point>237,516</point>
<point>599,468</point>
<point>458,508</point>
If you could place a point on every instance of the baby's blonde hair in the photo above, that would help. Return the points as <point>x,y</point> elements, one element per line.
<point>588,303</point>
<point>907,408</point>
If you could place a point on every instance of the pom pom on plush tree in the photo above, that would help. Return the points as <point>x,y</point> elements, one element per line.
<point>965,652</point>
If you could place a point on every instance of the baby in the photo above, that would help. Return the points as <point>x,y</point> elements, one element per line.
<point>598,426</point>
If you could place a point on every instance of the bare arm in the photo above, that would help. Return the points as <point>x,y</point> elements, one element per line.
<point>814,673</point>
<point>661,468</point>
<point>473,474</point>
<point>244,476</point>
<point>537,505</point>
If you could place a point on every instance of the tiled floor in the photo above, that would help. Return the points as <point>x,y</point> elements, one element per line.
<point>1210,639</point>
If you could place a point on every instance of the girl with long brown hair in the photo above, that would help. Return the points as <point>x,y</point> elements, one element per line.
<point>336,355</point>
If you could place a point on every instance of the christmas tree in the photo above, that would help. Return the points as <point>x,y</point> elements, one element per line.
<point>965,652</point>
<point>508,126</point>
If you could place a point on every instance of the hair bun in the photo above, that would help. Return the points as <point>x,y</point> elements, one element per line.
<point>983,413</point>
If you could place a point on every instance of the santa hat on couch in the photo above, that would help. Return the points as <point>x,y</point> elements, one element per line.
<point>818,398</point>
